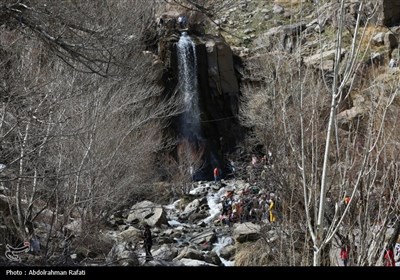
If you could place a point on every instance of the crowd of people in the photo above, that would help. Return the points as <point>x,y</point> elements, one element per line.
<point>250,205</point>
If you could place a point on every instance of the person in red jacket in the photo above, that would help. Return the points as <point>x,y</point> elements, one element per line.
<point>344,254</point>
<point>216,174</point>
<point>389,257</point>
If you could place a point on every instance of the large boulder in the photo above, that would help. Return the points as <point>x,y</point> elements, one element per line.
<point>191,262</point>
<point>323,60</point>
<point>200,191</point>
<point>165,253</point>
<point>246,232</point>
<point>192,207</point>
<point>204,237</point>
<point>190,253</point>
<point>149,212</point>
<point>122,254</point>
<point>212,257</point>
<point>195,210</point>
<point>378,39</point>
<point>130,235</point>
<point>163,263</point>
<point>228,252</point>
<point>284,38</point>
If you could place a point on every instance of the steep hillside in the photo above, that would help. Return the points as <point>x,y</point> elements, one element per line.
<point>243,132</point>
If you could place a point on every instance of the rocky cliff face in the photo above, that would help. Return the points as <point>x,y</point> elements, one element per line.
<point>390,13</point>
<point>218,92</point>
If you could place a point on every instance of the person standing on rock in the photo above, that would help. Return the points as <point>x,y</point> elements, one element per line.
<point>216,174</point>
<point>344,254</point>
<point>148,242</point>
<point>272,217</point>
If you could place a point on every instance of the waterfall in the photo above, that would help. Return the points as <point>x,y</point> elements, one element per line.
<point>188,85</point>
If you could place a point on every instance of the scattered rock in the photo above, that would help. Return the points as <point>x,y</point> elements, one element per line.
<point>165,253</point>
<point>147,211</point>
<point>228,252</point>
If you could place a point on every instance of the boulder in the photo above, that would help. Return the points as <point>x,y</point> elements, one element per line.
<point>348,116</point>
<point>122,255</point>
<point>205,237</point>
<point>193,207</point>
<point>190,262</point>
<point>327,55</point>
<point>284,37</point>
<point>162,263</point>
<point>212,257</point>
<point>246,232</point>
<point>190,253</point>
<point>147,211</point>
<point>195,204</point>
<point>200,191</point>
<point>378,39</point>
<point>196,217</point>
<point>277,9</point>
<point>390,41</point>
<point>228,252</point>
<point>166,240</point>
<point>165,253</point>
<point>130,235</point>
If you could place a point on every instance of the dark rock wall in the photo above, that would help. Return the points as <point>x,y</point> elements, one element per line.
<point>390,12</point>
<point>218,96</point>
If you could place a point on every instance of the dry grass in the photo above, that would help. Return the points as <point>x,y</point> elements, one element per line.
<point>254,254</point>
<point>370,32</point>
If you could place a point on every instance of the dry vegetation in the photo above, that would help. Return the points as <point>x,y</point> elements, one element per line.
<point>81,112</point>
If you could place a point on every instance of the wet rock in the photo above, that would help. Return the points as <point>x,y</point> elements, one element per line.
<point>212,257</point>
<point>207,236</point>
<point>190,253</point>
<point>228,252</point>
<point>190,262</point>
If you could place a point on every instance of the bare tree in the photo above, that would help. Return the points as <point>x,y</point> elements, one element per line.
<point>82,111</point>
<point>300,114</point>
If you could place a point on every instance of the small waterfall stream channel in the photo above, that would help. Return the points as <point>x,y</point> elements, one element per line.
<point>200,218</point>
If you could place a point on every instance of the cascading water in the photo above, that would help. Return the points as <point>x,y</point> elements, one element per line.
<point>187,67</point>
